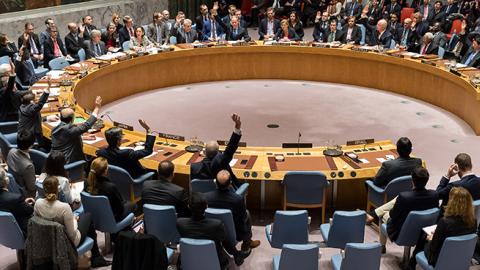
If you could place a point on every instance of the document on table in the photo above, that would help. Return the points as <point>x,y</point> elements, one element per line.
<point>363,160</point>
<point>381,160</point>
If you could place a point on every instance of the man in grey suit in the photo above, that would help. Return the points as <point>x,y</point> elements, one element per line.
<point>95,47</point>
<point>67,136</point>
<point>158,30</point>
<point>439,38</point>
<point>20,164</point>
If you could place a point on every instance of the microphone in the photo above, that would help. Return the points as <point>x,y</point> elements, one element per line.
<point>107,114</point>
<point>298,142</point>
<point>365,146</point>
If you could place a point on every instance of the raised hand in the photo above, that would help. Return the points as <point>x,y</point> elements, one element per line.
<point>236,119</point>
<point>144,125</point>
<point>98,101</point>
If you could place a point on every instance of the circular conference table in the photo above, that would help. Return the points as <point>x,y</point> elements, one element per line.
<point>116,79</point>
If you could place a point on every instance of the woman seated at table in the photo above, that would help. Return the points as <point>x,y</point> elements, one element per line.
<point>295,23</point>
<point>76,228</point>
<point>140,42</point>
<point>110,37</point>
<point>286,33</point>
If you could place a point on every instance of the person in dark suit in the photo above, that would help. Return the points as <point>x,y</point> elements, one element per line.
<point>20,165</point>
<point>225,198</point>
<point>296,24</point>
<point>126,32</point>
<point>401,166</point>
<point>450,8</point>
<point>462,167</point>
<point>352,9</point>
<point>472,57</point>
<point>321,26</point>
<point>164,192</point>
<point>216,161</point>
<point>24,69</point>
<point>374,13</point>
<point>427,46</point>
<point>67,136</point>
<point>405,36</point>
<point>333,34</point>
<point>157,31</point>
<point>30,117</point>
<point>15,203</point>
<point>419,25</point>
<point>10,98</point>
<point>32,43</point>
<point>185,33</point>
<point>268,26</point>
<point>201,19</point>
<point>110,38</point>
<point>394,24</point>
<point>438,13</point>
<point>7,48</point>
<point>212,29</point>
<point>426,9</point>
<point>286,33</point>
<point>127,159</point>
<point>234,31</point>
<point>95,46</point>
<point>74,40</point>
<point>89,27</point>
<point>394,8</point>
<point>352,33</point>
<point>53,47</point>
<point>381,36</point>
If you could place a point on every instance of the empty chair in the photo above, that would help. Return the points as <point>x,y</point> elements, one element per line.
<point>406,13</point>
<point>304,257</point>
<point>203,185</point>
<point>6,145</point>
<point>39,71</point>
<point>58,63</point>
<point>126,46</point>
<point>102,216</point>
<point>82,56</point>
<point>377,196</point>
<point>412,228</point>
<point>225,215</point>
<point>129,188</point>
<point>76,170</point>
<point>346,227</point>
<point>198,254</point>
<point>305,190</point>
<point>456,254</point>
<point>38,158</point>
<point>11,235</point>
<point>366,255</point>
<point>161,221</point>
<point>289,227</point>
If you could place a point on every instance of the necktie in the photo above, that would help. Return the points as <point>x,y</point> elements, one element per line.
<point>424,51</point>
<point>187,39</point>
<point>448,9</point>
<point>392,8</point>
<point>353,8</point>
<point>470,59</point>
<point>130,31</point>
<point>404,37</point>
<point>214,31</point>
<point>159,36</point>
<point>33,46</point>
<point>56,49</point>
<point>235,31</point>
<point>97,49</point>
<point>331,37</point>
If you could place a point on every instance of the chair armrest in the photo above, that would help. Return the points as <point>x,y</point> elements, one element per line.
<point>8,127</point>
<point>75,164</point>
<point>143,178</point>
<point>242,190</point>
<point>128,220</point>
<point>373,187</point>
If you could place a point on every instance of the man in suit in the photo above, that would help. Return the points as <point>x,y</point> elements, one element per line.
<point>438,13</point>
<point>89,27</point>
<point>242,22</point>
<point>128,31</point>
<point>67,136</point>
<point>419,25</point>
<point>231,12</point>
<point>25,70</point>
<point>201,19</point>
<point>164,192</point>
<point>127,159</point>
<point>352,9</point>
<point>234,31</point>
<point>268,26</point>
<point>15,203</point>
<point>95,47</point>
<point>333,34</point>
<point>53,47</point>
<point>74,40</point>
<point>20,165</point>
<point>472,57</point>
<point>394,8</point>
<point>29,115</point>
<point>426,10</point>
<point>10,98</point>
<point>462,167</point>
<point>427,46</point>
<point>450,8</point>
<point>216,161</point>
<point>374,13</point>
<point>405,36</point>
<point>352,33</point>
<point>380,36</point>
<point>49,23</point>
<point>439,38</point>
<point>225,198</point>
<point>394,24</point>
<point>157,31</point>
<point>185,33</point>
<point>32,43</point>
<point>199,227</point>
<point>401,166</point>
<point>212,29</point>
<point>321,26</point>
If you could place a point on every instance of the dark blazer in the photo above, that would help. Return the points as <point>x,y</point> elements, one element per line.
<point>349,7</point>
<point>412,200</point>
<point>128,159</point>
<point>338,36</point>
<point>421,29</point>
<point>446,227</point>
<point>9,101</point>
<point>476,59</point>
<point>394,8</point>
<point>356,35</point>
<point>263,27</point>
<point>199,22</point>
<point>8,50</point>
<point>470,182</point>
<point>67,138</point>
<point>431,49</point>
<point>209,167</point>
<point>123,35</point>
<point>88,31</point>
<point>385,39</point>
<point>206,228</point>
<point>207,29</point>
<point>106,38</point>
<point>15,204</point>
<point>392,169</point>
<point>48,50</point>
<point>438,17</point>
<point>228,199</point>
<point>292,35</point>
<point>374,15</point>
<point>29,46</point>
<point>411,37</point>
<point>450,9</point>
<point>29,117</point>
<point>164,192</point>
<point>25,73</point>
<point>428,17</point>
<point>181,35</point>
<point>298,29</point>
<point>106,188</point>
<point>319,30</point>
<point>90,49</point>
<point>74,44</point>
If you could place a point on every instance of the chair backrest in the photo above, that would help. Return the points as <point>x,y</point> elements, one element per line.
<point>456,27</point>
<point>126,45</point>
<point>406,13</point>
<point>5,146</point>
<point>11,235</point>
<point>41,192</point>
<point>393,44</point>
<point>101,211</point>
<point>203,185</point>
<point>161,221</point>
<point>290,227</point>
<point>173,40</point>
<point>122,179</point>
<point>365,254</point>
<point>13,185</point>
<point>363,30</point>
<point>8,127</point>
<point>441,52</point>
<point>225,215</point>
<point>304,187</point>
<point>413,225</point>
<point>4,59</point>
<point>198,253</point>
<point>82,56</point>
<point>397,185</point>
<point>58,63</point>
<point>476,205</point>
<point>347,227</point>
<point>303,257</point>
<point>38,158</point>
<point>76,170</point>
<point>456,252</point>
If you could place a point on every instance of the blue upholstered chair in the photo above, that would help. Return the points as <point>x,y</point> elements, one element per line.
<point>203,185</point>
<point>173,40</point>
<point>304,257</point>
<point>40,71</point>
<point>7,128</point>
<point>76,171</point>
<point>476,205</point>
<point>82,56</point>
<point>378,196</point>
<point>289,227</point>
<point>198,254</point>
<point>161,221</point>
<point>126,46</point>
<point>5,59</point>
<point>6,145</point>
<point>102,216</point>
<point>19,84</point>
<point>41,192</point>
<point>305,190</point>
<point>456,254</point>
<point>363,31</point>
<point>225,215</point>
<point>38,158</point>
<point>346,227</point>
<point>11,235</point>
<point>441,52</point>
<point>58,63</point>
<point>85,246</point>
<point>358,255</point>
<point>129,188</point>
<point>12,184</point>
<point>412,228</point>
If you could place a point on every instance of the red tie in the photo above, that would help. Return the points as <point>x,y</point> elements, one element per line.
<point>56,49</point>
<point>424,51</point>
<point>130,31</point>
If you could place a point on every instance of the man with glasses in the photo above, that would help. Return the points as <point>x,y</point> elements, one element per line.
<point>32,43</point>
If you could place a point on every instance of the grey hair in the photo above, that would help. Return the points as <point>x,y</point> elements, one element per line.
<point>96,33</point>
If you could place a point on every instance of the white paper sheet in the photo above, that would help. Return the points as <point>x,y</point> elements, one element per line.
<point>97,139</point>
<point>381,160</point>
<point>430,229</point>
<point>363,160</point>
<point>233,162</point>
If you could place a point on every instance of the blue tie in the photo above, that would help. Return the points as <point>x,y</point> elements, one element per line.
<point>470,58</point>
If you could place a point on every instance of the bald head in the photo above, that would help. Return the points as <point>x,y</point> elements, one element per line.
<point>211,149</point>
<point>66,115</point>
<point>223,179</point>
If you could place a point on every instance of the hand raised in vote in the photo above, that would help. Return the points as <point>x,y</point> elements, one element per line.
<point>236,119</point>
<point>144,124</point>
<point>319,15</point>
<point>215,5</point>
<point>98,102</point>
